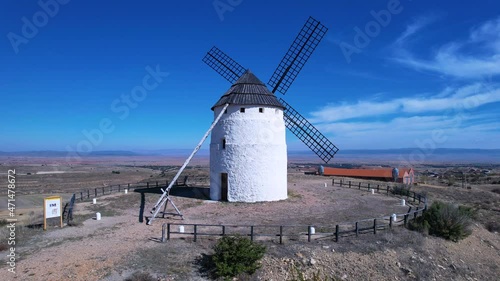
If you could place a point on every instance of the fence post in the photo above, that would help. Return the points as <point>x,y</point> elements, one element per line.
<point>349,184</point>
<point>406,219</point>
<point>147,184</point>
<point>119,188</point>
<point>195,233</point>
<point>341,182</point>
<point>390,221</point>
<point>281,234</point>
<point>374,226</point>
<point>368,187</point>
<point>337,233</point>
<point>95,192</point>
<point>81,196</point>
<point>309,230</point>
<point>359,186</point>
<point>223,230</point>
<point>357,229</point>
<point>251,233</point>
<point>88,193</point>
<point>168,231</point>
<point>333,182</point>
<point>387,190</point>
<point>377,188</point>
<point>128,186</point>
<point>103,190</point>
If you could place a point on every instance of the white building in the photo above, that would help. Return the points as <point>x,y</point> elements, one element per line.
<point>248,158</point>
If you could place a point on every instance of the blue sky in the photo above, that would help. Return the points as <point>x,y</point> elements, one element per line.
<point>388,74</point>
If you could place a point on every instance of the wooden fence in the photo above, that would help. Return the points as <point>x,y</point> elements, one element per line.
<point>309,232</point>
<point>106,190</point>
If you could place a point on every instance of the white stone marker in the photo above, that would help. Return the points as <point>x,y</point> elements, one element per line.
<point>98,216</point>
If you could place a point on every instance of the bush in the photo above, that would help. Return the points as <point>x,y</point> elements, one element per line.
<point>236,255</point>
<point>115,172</point>
<point>445,220</point>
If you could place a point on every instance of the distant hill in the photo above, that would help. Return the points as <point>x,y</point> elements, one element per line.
<point>403,154</point>
<point>55,153</point>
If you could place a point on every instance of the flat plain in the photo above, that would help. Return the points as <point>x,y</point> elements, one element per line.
<point>121,243</point>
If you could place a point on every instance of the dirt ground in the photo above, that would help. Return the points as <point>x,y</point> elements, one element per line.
<point>120,244</point>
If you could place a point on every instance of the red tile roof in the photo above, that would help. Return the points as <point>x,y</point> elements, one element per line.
<point>365,173</point>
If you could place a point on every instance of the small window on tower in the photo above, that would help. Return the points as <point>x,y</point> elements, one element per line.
<point>224,143</point>
<point>242,110</point>
<point>261,110</point>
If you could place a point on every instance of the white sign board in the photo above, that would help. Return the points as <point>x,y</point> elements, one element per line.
<point>52,208</point>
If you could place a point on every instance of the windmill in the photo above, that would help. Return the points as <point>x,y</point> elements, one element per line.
<point>245,167</point>
<point>292,63</point>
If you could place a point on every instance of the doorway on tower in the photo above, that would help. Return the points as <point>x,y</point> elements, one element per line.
<point>223,187</point>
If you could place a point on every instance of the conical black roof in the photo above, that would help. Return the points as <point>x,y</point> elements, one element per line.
<point>249,90</point>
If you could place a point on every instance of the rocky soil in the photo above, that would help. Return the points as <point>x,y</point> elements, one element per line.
<point>120,244</point>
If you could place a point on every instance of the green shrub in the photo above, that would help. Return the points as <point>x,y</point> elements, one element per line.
<point>445,220</point>
<point>236,255</point>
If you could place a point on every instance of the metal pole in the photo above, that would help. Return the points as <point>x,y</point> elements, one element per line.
<point>168,231</point>
<point>195,232</point>
<point>374,226</point>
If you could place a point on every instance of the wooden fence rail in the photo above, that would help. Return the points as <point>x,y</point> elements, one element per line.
<point>371,225</point>
<point>106,190</point>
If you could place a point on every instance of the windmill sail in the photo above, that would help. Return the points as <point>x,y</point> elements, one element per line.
<point>307,133</point>
<point>299,52</point>
<point>223,64</point>
<point>286,72</point>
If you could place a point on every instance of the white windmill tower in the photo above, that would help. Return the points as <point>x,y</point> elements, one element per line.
<point>248,157</point>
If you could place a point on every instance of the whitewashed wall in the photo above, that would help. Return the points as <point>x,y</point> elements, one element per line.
<point>255,157</point>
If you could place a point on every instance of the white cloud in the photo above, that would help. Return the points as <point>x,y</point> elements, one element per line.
<point>452,59</point>
<point>416,25</point>
<point>401,122</point>
<point>467,97</point>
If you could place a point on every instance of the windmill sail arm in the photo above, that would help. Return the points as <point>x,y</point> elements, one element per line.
<point>223,64</point>
<point>308,134</point>
<point>297,55</point>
